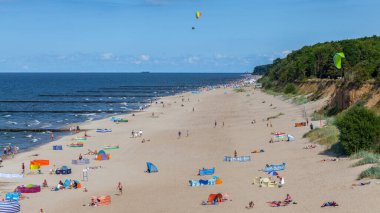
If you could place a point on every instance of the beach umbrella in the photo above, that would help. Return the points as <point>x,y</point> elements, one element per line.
<point>273,173</point>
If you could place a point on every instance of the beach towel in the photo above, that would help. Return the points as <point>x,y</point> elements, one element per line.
<point>103,130</point>
<point>204,182</point>
<point>274,167</point>
<point>81,162</point>
<point>206,171</point>
<point>237,159</point>
<point>57,147</point>
<point>210,182</point>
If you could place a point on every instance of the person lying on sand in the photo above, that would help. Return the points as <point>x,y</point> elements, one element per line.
<point>257,151</point>
<point>361,184</point>
<point>250,205</point>
<point>92,152</point>
<point>332,159</point>
<point>332,203</point>
<point>143,140</point>
<point>311,146</point>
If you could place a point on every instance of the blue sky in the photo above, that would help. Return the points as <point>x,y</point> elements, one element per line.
<point>156,35</point>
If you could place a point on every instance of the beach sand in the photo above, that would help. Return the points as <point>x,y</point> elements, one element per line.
<point>309,181</point>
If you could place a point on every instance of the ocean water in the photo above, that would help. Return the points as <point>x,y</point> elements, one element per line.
<point>55,100</point>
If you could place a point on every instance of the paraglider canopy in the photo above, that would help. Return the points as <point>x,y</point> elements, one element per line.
<point>198,14</point>
<point>338,60</point>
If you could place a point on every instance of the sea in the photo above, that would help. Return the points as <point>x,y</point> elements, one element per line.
<point>49,101</point>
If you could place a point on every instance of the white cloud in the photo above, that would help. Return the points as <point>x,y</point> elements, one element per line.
<point>144,57</point>
<point>220,56</point>
<point>286,52</point>
<point>141,59</point>
<point>192,60</point>
<point>107,56</point>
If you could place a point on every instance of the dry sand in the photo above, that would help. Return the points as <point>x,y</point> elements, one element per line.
<point>309,181</point>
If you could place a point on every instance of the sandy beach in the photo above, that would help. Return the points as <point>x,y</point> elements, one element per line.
<point>308,180</point>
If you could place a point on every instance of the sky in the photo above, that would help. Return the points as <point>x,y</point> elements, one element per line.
<point>157,35</point>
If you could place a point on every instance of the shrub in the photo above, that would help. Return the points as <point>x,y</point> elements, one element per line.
<point>327,135</point>
<point>359,129</point>
<point>373,172</point>
<point>290,89</point>
<point>369,158</point>
<point>239,90</point>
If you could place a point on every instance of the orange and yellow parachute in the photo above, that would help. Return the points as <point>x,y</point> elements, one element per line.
<point>198,14</point>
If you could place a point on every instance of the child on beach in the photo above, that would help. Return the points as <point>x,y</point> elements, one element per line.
<point>23,168</point>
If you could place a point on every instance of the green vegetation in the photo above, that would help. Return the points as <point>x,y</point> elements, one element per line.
<point>290,89</point>
<point>299,100</point>
<point>239,90</point>
<point>327,135</point>
<point>359,129</point>
<point>361,63</point>
<point>373,172</point>
<point>368,158</point>
<point>261,70</point>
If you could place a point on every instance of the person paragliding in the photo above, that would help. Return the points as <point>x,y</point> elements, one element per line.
<point>198,15</point>
<point>338,60</point>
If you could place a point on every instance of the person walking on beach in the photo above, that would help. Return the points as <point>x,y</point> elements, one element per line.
<point>215,124</point>
<point>120,188</point>
<point>23,168</point>
<point>133,133</point>
<point>52,137</point>
<point>179,134</point>
<point>193,109</point>
<point>223,123</point>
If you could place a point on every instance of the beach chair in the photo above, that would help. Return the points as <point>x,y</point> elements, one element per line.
<point>256,181</point>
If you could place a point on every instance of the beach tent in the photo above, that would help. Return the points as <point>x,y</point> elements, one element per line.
<point>64,170</point>
<point>9,206</point>
<point>215,198</point>
<point>151,167</point>
<point>102,155</point>
<point>291,138</point>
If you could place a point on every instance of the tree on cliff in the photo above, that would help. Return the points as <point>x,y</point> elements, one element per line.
<point>359,129</point>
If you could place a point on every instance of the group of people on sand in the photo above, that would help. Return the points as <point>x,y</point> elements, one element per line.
<point>288,200</point>
<point>60,185</point>
<point>10,150</point>
<point>136,134</point>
